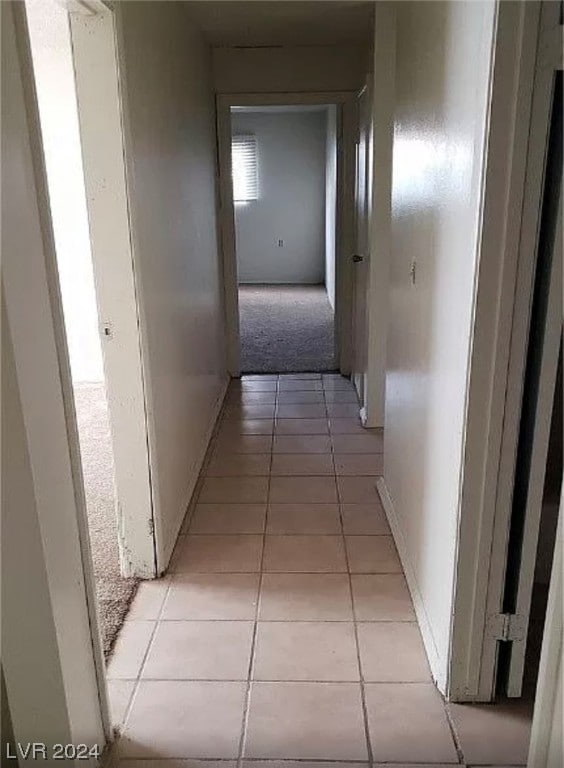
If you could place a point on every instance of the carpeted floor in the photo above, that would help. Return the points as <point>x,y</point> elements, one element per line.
<point>285,329</point>
<point>114,592</point>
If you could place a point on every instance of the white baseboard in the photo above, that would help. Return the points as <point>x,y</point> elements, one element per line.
<point>194,474</point>
<point>438,668</point>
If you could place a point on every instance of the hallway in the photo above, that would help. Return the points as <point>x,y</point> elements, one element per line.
<point>286,328</point>
<point>286,630</point>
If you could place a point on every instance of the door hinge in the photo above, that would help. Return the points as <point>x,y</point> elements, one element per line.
<point>509,627</point>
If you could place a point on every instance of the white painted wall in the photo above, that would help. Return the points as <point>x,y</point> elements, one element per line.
<point>52,58</point>
<point>291,199</point>
<point>299,69</point>
<point>172,154</point>
<point>442,74</point>
<point>330,202</point>
<point>48,655</point>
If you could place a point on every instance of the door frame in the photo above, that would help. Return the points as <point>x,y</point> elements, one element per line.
<point>34,310</point>
<point>526,38</point>
<point>102,112</point>
<point>346,126</point>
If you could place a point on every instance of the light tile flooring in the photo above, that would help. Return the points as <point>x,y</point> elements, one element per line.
<point>285,630</point>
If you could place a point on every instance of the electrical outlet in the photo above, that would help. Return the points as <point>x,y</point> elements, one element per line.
<point>281,243</point>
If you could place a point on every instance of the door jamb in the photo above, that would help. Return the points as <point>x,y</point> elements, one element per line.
<point>502,301</point>
<point>101,108</point>
<point>346,121</point>
<point>48,287</point>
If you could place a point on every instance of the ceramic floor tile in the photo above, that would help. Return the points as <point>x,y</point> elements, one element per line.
<point>418,765</point>
<point>301,411</point>
<point>173,718</point>
<point>321,651</point>
<point>219,554</point>
<point>249,411</point>
<point>302,464</point>
<point>305,597</point>
<point>301,427</point>
<point>346,427</point>
<point>119,693</point>
<point>300,764</point>
<point>259,385</point>
<point>246,427</point>
<point>303,519</point>
<point>306,490</point>
<point>341,396</point>
<point>250,398</point>
<point>130,649</point>
<point>357,490</point>
<point>234,490</point>
<point>243,444</point>
<point>392,652</point>
<point>302,444</point>
<point>238,464</point>
<point>407,723</point>
<point>304,554</point>
<point>298,376</point>
<point>303,385</point>
<point>368,519</point>
<point>343,410</point>
<point>372,554</point>
<point>369,442</point>
<point>382,597</point>
<point>177,763</point>
<point>300,397</point>
<point>493,733</point>
<point>228,518</point>
<point>149,599</point>
<point>200,650</point>
<point>338,384</point>
<point>359,463</point>
<point>212,596</point>
<point>306,720</point>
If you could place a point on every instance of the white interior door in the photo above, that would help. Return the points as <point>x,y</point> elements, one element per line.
<point>100,119</point>
<point>361,255</point>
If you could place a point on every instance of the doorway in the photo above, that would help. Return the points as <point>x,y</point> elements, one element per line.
<point>91,233</point>
<point>284,182</point>
<point>287,223</point>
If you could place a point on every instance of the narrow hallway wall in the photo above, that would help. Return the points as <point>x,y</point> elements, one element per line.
<point>169,99</point>
<point>442,75</point>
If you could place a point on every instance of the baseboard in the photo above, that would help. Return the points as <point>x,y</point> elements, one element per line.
<point>435,661</point>
<point>196,469</point>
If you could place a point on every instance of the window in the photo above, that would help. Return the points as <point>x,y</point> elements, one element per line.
<point>245,168</point>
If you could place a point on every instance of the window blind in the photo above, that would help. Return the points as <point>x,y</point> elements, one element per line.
<point>245,168</point>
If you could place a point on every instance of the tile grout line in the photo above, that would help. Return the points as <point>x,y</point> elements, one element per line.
<point>453,733</point>
<point>247,705</point>
<point>357,644</point>
<point>137,679</point>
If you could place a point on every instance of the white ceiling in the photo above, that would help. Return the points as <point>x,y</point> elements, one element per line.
<point>279,22</point>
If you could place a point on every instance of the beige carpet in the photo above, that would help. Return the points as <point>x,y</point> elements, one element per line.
<point>113,592</point>
<point>286,329</point>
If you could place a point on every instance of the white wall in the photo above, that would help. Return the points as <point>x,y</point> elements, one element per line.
<point>47,643</point>
<point>299,69</point>
<point>330,202</point>
<point>291,199</point>
<point>52,58</point>
<point>442,72</point>
<point>173,197</point>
